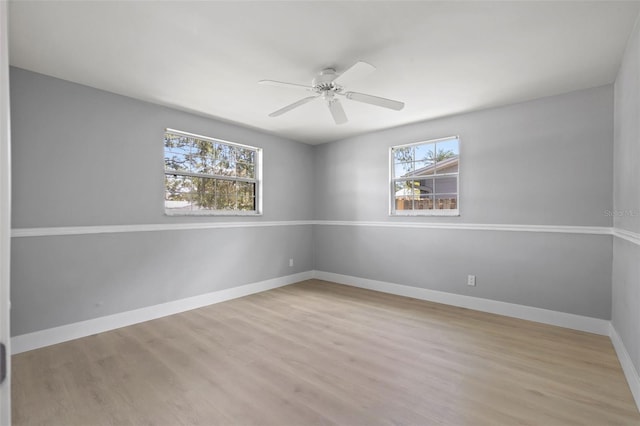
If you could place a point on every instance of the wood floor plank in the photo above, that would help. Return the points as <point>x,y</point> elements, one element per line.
<point>318,353</point>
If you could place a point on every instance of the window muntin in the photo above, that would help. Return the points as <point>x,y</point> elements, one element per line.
<point>206,176</point>
<point>425,178</point>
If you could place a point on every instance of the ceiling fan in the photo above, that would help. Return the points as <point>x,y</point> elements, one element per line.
<point>329,86</point>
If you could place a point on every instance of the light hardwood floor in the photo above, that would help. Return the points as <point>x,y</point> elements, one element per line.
<point>320,353</point>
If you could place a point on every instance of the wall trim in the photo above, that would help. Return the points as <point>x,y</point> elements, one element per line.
<point>630,236</point>
<point>52,336</point>
<point>630,372</point>
<point>109,229</point>
<point>545,316</point>
<point>598,230</point>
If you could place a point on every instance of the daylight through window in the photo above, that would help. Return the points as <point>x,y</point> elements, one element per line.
<point>424,178</point>
<point>209,176</point>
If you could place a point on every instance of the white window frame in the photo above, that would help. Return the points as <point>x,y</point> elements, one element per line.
<point>257,180</point>
<point>393,179</point>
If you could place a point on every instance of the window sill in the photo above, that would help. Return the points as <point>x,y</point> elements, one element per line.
<point>427,213</point>
<point>200,213</point>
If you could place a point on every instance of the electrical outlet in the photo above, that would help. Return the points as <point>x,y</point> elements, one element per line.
<point>471,280</point>
<point>291,263</point>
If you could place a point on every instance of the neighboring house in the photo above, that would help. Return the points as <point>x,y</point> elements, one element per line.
<point>435,186</point>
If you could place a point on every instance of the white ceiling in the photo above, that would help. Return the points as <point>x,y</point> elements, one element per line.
<point>440,58</point>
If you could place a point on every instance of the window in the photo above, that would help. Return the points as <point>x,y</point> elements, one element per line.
<point>205,176</point>
<point>424,178</point>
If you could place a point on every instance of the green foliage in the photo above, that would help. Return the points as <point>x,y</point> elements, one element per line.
<point>218,162</point>
<point>442,154</point>
<point>406,155</point>
<point>409,159</point>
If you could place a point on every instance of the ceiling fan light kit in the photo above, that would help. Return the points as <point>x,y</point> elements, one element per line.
<point>328,85</point>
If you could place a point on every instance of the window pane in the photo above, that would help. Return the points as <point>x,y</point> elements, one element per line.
<point>424,202</point>
<point>203,157</point>
<point>177,144</point>
<point>403,204</point>
<point>447,156</point>
<point>245,170</point>
<point>425,155</point>
<point>177,162</point>
<point>245,155</point>
<point>407,190</point>
<point>401,199</point>
<point>447,166</point>
<point>403,154</point>
<point>446,201</point>
<point>449,146</point>
<point>246,195</point>
<point>177,192</point>
<point>225,164</point>
<point>424,168</point>
<point>225,168</point>
<point>426,186</point>
<point>446,184</point>
<point>203,193</point>
<point>187,193</point>
<point>402,169</point>
<point>225,193</point>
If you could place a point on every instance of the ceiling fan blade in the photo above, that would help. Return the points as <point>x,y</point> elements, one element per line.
<point>292,106</point>
<point>357,71</point>
<point>282,84</point>
<point>375,100</point>
<point>337,111</point>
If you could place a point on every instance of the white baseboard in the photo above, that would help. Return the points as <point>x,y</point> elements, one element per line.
<point>76,330</point>
<point>546,316</point>
<point>51,336</point>
<point>630,372</point>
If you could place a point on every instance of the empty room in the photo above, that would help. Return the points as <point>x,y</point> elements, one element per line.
<point>319,213</point>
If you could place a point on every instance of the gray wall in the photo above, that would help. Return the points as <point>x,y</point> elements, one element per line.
<point>83,157</point>
<point>545,162</point>
<point>65,279</point>
<point>87,157</point>
<point>562,272</point>
<point>626,255</point>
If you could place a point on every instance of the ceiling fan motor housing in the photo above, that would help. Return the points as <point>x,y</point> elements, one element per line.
<point>324,81</point>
